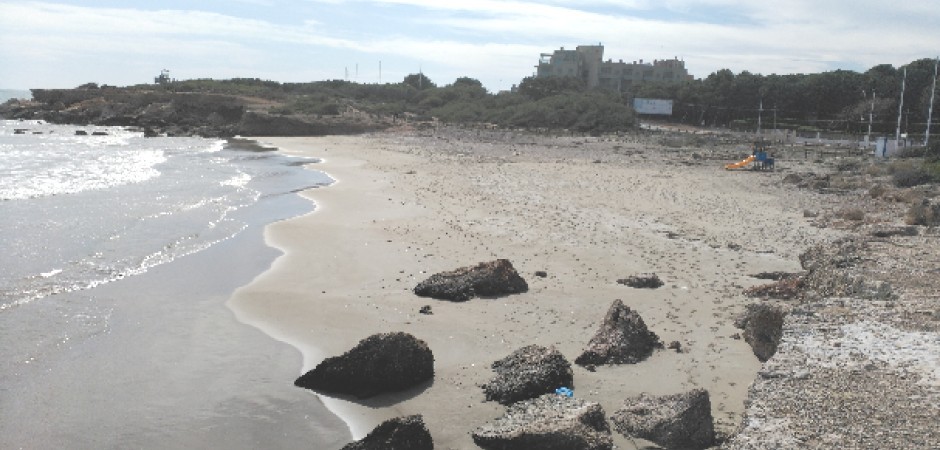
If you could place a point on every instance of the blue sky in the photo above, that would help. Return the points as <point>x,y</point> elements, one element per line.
<point>67,43</point>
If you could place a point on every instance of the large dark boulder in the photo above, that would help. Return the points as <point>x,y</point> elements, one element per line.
<point>679,421</point>
<point>622,339</point>
<point>549,422</point>
<point>487,279</point>
<point>400,433</point>
<point>381,363</point>
<point>763,326</point>
<point>528,373</point>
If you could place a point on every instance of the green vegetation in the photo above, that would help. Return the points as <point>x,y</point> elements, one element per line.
<point>837,101</point>
<point>559,103</point>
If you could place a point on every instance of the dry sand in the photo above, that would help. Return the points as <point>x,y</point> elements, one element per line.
<point>588,211</point>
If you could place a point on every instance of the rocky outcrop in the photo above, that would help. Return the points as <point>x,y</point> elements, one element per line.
<point>622,339</point>
<point>528,373</point>
<point>642,281</point>
<point>178,113</point>
<point>763,326</point>
<point>379,364</point>
<point>487,279</point>
<point>549,422</point>
<point>679,421</point>
<point>400,433</point>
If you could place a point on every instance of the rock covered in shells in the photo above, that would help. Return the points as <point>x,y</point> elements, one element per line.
<point>486,279</point>
<point>622,339</point>
<point>528,373</point>
<point>678,421</point>
<point>400,433</point>
<point>763,326</point>
<point>549,422</point>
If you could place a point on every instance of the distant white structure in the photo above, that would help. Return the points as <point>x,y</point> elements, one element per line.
<point>653,106</point>
<point>586,62</point>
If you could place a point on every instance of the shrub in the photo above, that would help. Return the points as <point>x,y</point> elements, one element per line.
<point>911,176</point>
<point>923,213</point>
<point>854,214</point>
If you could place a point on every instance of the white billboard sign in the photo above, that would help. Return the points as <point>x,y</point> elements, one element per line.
<point>653,106</point>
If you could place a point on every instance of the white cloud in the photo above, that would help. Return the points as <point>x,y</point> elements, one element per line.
<point>496,41</point>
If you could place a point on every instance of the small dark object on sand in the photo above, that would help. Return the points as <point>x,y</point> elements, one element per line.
<point>642,281</point>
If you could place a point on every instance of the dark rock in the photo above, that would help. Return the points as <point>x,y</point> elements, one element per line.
<point>549,422</point>
<point>889,231</point>
<point>622,339</point>
<point>642,281</point>
<point>763,326</point>
<point>487,279</point>
<point>400,433</point>
<point>426,309</point>
<point>541,273</point>
<point>784,289</point>
<point>381,363</point>
<point>793,178</point>
<point>528,373</point>
<point>679,421</point>
<point>776,276</point>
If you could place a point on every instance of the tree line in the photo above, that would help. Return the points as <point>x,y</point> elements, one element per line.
<point>839,101</point>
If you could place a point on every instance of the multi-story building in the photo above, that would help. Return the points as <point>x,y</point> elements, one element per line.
<point>587,63</point>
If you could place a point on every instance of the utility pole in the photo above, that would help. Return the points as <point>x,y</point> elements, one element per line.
<point>897,134</point>
<point>933,93</point>
<point>760,111</point>
<point>871,116</point>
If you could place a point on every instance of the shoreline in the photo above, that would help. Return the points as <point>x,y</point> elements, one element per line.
<point>405,206</point>
<point>172,368</point>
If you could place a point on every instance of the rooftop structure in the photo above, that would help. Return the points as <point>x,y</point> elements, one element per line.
<point>163,78</point>
<point>587,63</point>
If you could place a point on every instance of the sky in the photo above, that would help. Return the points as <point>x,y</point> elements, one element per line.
<point>62,44</point>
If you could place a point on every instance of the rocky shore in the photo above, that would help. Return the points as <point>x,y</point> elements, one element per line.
<point>158,112</point>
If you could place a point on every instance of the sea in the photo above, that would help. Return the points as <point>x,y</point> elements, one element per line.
<point>117,253</point>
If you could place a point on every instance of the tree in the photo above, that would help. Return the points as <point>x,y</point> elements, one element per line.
<point>419,81</point>
<point>538,88</point>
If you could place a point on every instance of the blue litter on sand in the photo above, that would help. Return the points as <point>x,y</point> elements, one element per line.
<point>564,391</point>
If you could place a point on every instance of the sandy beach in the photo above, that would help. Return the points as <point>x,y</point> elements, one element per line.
<point>587,211</point>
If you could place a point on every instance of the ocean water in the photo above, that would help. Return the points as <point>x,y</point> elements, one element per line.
<point>79,211</point>
<point>118,253</point>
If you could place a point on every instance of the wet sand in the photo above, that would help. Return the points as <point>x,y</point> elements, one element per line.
<point>586,211</point>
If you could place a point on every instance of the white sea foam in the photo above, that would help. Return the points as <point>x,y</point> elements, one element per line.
<point>60,163</point>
